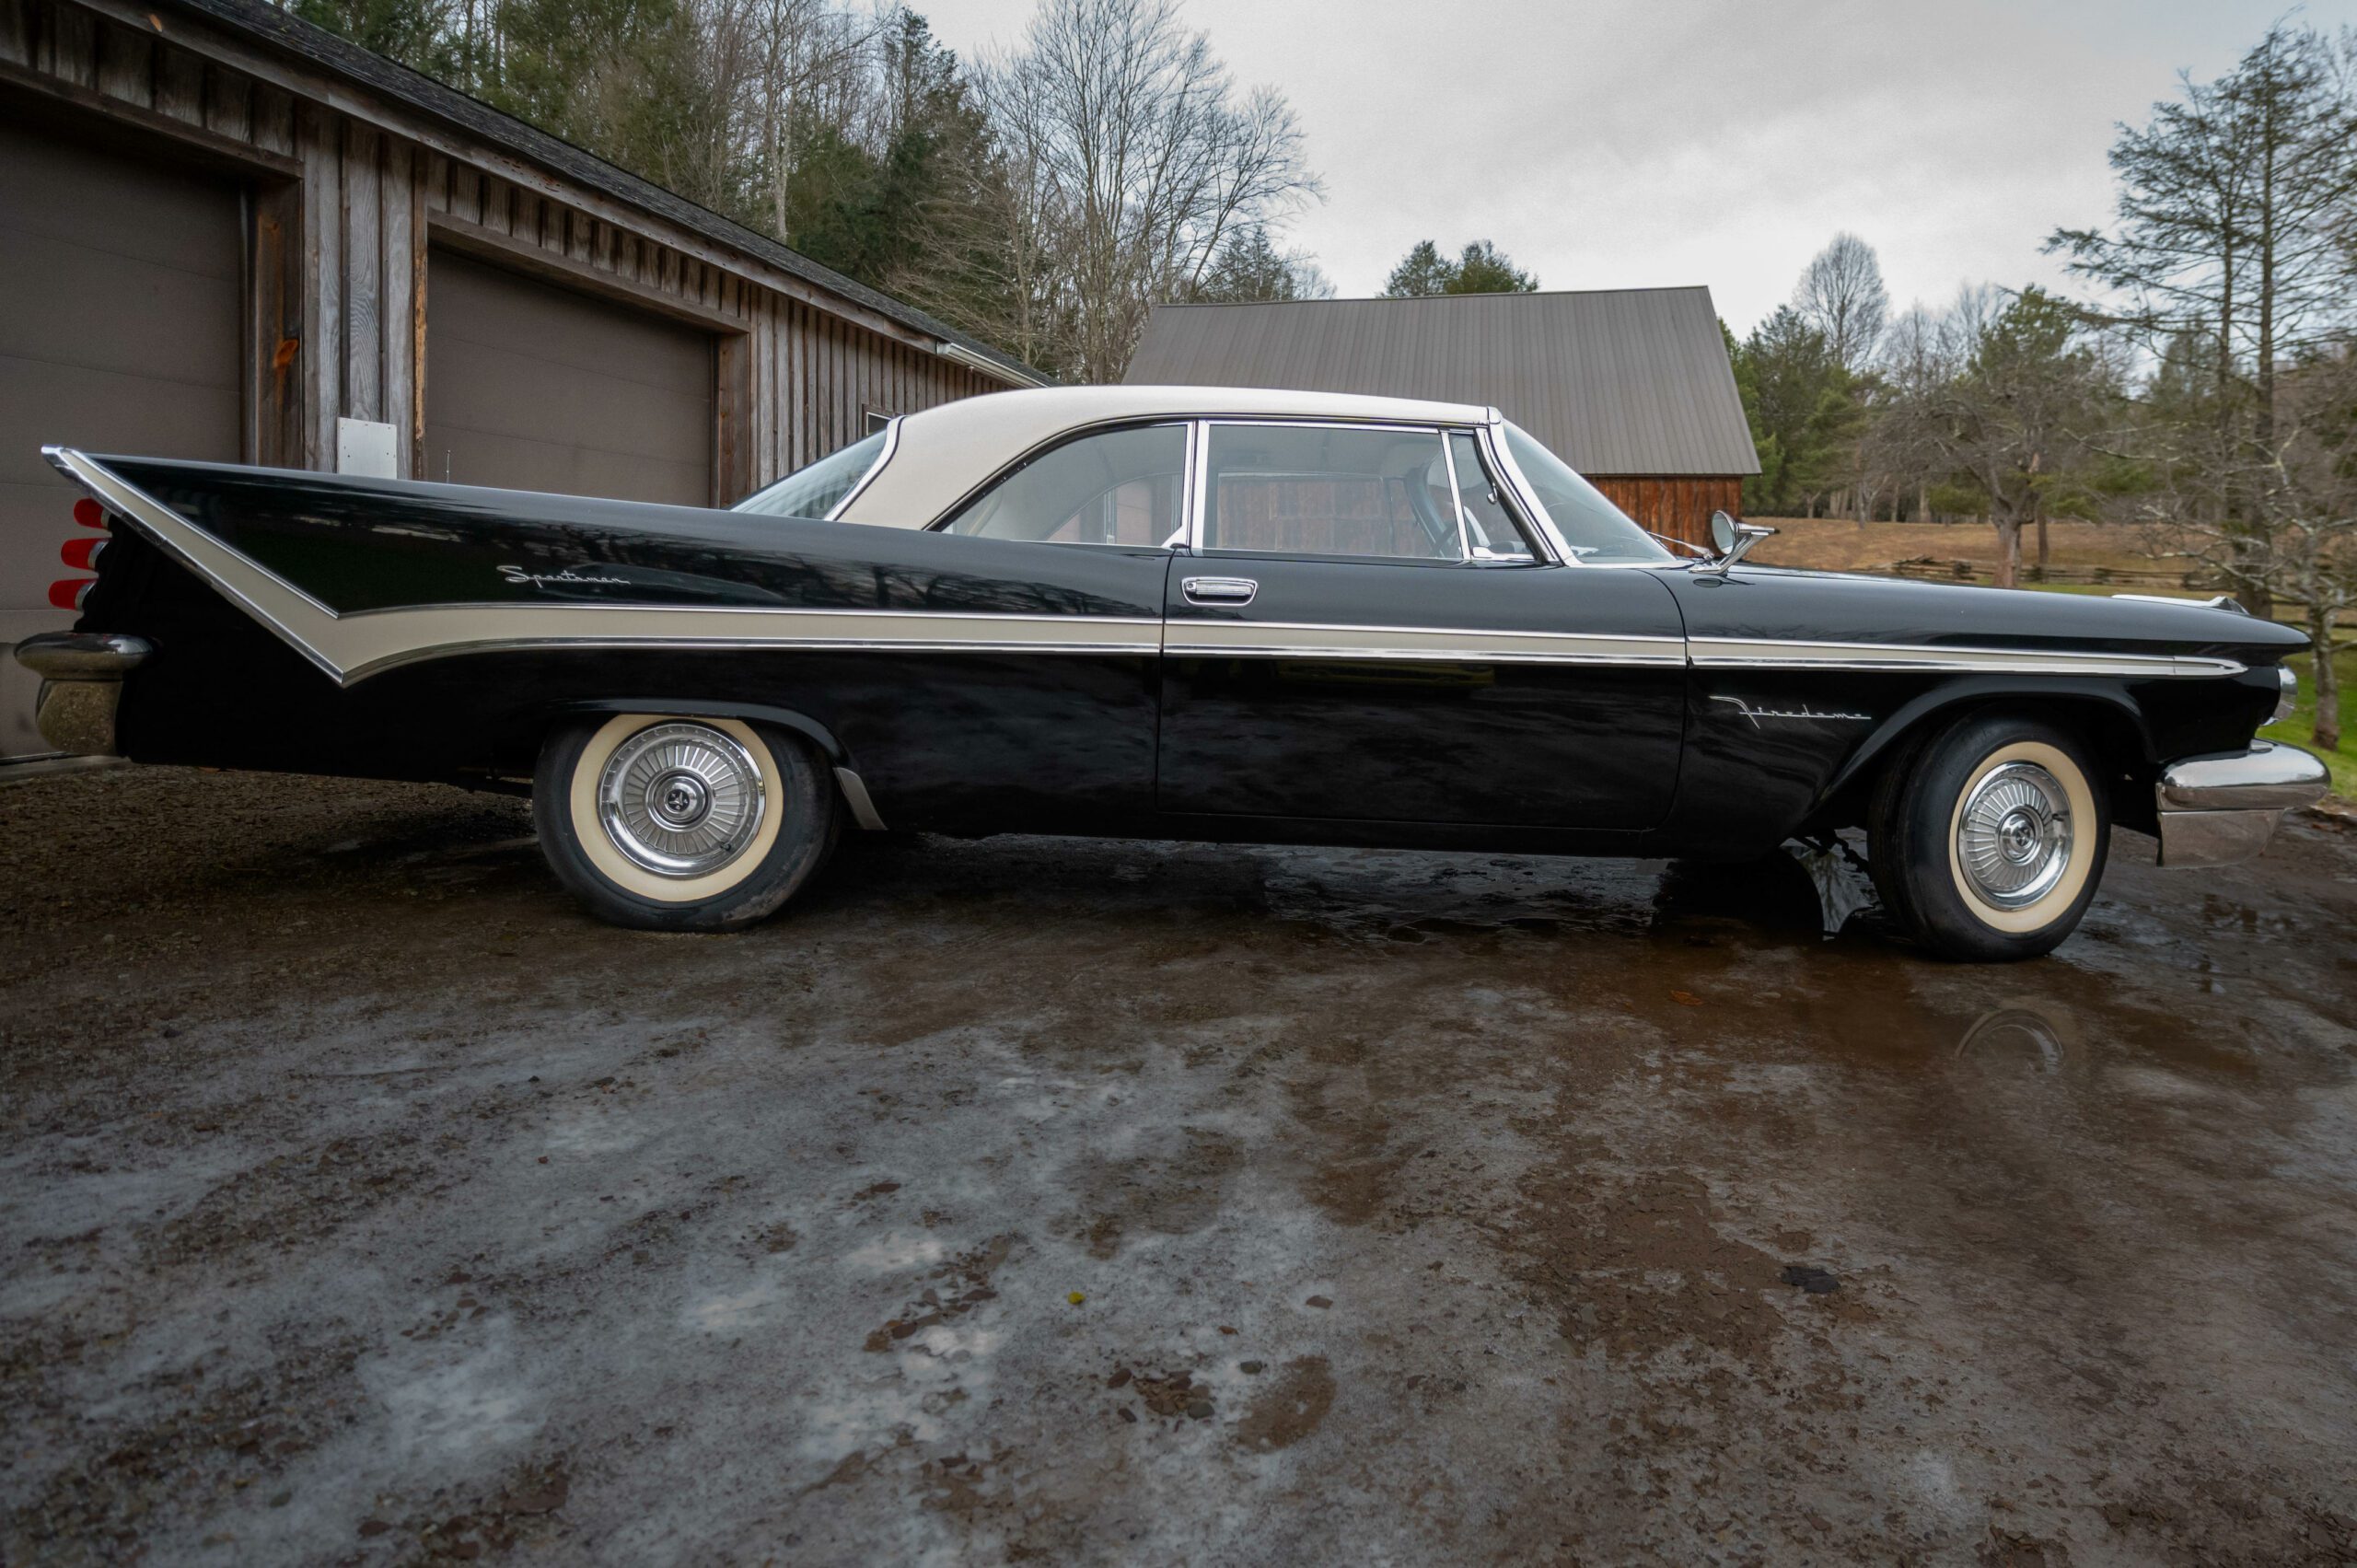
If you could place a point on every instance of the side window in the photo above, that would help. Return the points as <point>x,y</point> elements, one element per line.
<point>1490,529</point>
<point>1310,490</point>
<point>1115,487</point>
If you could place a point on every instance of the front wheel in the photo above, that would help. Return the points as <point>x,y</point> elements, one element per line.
<point>1988,844</point>
<point>681,824</point>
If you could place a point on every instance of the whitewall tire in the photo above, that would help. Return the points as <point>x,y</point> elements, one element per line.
<point>672,823</point>
<point>1988,841</point>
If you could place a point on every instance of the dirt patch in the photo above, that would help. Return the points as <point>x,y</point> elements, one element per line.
<point>1292,1407</point>
<point>362,1199</point>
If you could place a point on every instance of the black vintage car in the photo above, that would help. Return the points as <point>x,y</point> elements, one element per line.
<point>1173,612</point>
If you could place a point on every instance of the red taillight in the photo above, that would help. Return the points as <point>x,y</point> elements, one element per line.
<point>82,554</point>
<point>90,514</point>
<point>66,593</point>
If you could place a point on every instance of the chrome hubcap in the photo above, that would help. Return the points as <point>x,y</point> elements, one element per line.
<point>681,799</point>
<point>2012,838</point>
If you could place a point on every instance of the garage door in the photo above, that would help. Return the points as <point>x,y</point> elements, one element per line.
<point>119,332</point>
<point>537,387</point>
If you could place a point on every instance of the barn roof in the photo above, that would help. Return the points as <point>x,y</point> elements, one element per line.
<point>267,24</point>
<point>1616,381</point>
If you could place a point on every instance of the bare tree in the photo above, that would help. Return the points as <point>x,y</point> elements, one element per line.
<point>2232,204</point>
<point>1915,367</point>
<point>1842,295</point>
<point>2302,492</point>
<point>1139,159</point>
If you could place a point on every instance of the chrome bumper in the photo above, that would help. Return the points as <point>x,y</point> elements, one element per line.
<point>2221,809</point>
<point>81,680</point>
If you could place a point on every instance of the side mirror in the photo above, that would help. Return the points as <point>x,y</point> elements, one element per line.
<point>1732,540</point>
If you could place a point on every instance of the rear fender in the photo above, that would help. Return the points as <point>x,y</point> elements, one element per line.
<point>818,734</point>
<point>838,759</point>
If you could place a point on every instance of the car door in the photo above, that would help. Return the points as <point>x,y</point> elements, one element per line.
<point>1361,630</point>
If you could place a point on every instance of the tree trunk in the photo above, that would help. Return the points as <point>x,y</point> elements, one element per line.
<point>2326,732</point>
<point>2041,541</point>
<point>2009,552</point>
<point>1922,500</point>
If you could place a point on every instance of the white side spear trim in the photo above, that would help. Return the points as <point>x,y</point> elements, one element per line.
<point>351,647</point>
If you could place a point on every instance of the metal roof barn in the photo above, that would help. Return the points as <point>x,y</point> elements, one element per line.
<point>1632,386</point>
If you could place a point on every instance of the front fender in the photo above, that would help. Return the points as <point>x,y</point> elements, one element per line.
<point>1971,691</point>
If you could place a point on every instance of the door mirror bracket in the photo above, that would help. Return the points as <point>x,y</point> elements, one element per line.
<point>1732,540</point>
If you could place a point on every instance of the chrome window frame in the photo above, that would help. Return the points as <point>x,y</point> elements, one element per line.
<point>1201,477</point>
<point>1185,423</point>
<point>891,445</point>
<point>1457,498</point>
<point>891,433</point>
<point>1527,519</point>
<point>1526,497</point>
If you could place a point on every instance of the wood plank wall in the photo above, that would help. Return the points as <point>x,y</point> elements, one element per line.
<point>1679,506</point>
<point>346,210</point>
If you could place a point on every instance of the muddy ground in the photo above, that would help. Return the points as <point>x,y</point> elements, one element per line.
<point>1103,1202</point>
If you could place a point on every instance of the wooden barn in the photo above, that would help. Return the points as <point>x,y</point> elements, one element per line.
<point>226,234</point>
<point>1630,387</point>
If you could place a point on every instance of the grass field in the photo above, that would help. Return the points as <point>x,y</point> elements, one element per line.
<point>1839,544</point>
<point>2296,729</point>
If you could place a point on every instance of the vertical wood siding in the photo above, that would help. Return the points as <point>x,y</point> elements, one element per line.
<point>344,212</point>
<point>1677,505</point>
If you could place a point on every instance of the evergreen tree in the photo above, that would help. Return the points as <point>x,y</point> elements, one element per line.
<point>1249,268</point>
<point>1483,268</point>
<point>1799,400</point>
<point>1421,273</point>
<point>1479,268</point>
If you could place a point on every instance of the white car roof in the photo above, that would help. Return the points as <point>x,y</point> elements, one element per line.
<point>942,454</point>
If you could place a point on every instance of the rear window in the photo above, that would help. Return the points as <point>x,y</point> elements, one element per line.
<point>815,491</point>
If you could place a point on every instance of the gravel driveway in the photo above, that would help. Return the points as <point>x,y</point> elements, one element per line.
<point>1111,1202</point>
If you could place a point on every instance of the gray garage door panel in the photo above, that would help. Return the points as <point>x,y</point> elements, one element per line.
<point>537,387</point>
<point>119,312</point>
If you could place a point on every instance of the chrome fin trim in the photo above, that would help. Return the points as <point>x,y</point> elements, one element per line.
<point>1722,653</point>
<point>348,648</point>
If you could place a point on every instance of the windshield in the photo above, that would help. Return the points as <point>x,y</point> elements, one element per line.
<point>815,491</point>
<point>1596,531</point>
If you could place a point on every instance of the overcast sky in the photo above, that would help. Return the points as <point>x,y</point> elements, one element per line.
<point>1630,142</point>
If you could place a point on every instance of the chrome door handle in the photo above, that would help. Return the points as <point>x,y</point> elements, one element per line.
<point>1219,590</point>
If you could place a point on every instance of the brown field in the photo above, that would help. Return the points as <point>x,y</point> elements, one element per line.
<point>1839,544</point>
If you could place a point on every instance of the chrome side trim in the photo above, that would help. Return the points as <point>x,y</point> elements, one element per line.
<point>1734,654</point>
<point>1268,639</point>
<point>745,640</point>
<point>862,810</point>
<point>2228,602</point>
<point>351,647</point>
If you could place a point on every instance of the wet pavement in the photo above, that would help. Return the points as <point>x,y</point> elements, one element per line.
<point>1106,1201</point>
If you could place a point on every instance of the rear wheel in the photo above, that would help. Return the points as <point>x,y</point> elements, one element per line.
<point>1988,843</point>
<point>681,824</point>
